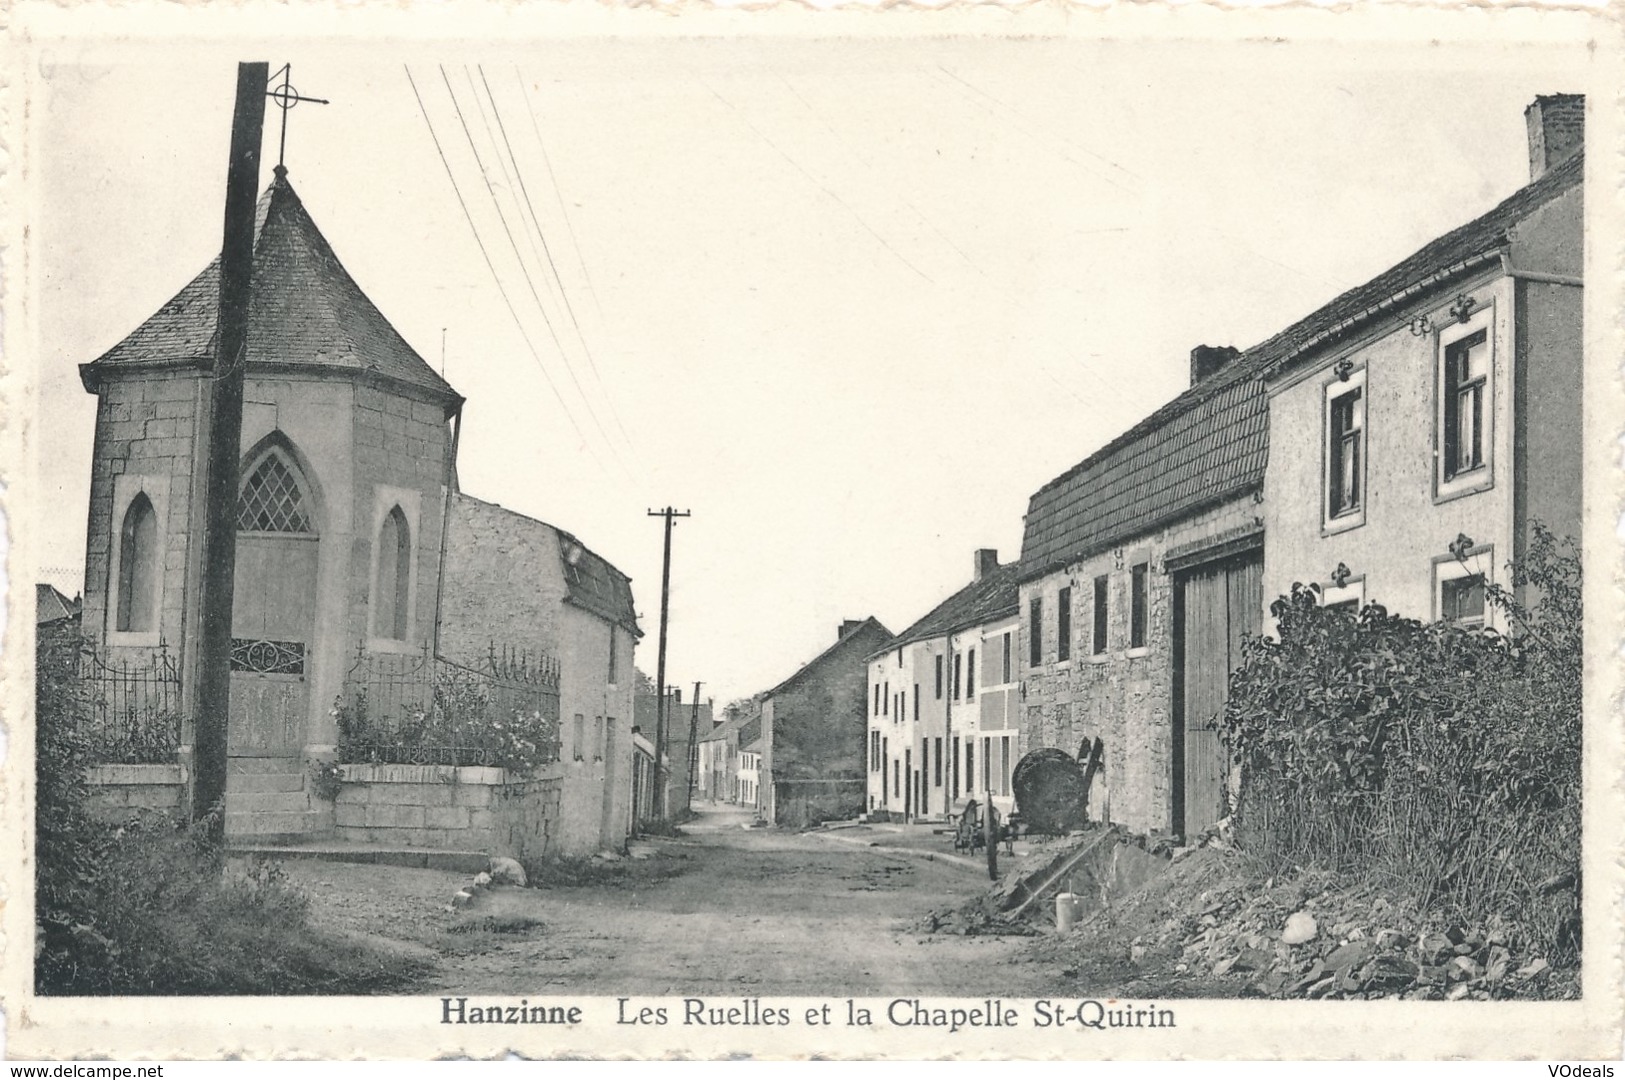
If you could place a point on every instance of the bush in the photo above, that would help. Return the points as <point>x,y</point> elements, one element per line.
<point>1442,760</point>
<point>148,907</point>
<point>461,726</point>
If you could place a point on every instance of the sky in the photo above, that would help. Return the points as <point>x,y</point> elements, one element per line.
<point>848,302</point>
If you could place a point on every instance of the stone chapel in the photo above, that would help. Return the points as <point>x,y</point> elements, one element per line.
<point>347,476</point>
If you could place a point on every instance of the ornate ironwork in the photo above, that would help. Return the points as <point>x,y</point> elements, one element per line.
<point>128,708</point>
<point>418,709</point>
<point>263,657</point>
<point>1462,309</point>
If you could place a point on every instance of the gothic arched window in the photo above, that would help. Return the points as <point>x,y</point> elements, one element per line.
<point>138,567</point>
<point>394,576</point>
<point>271,499</point>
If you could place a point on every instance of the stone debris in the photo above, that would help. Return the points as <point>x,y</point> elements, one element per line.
<point>506,871</point>
<point>1300,928</point>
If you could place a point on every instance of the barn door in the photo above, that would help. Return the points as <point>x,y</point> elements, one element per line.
<point>1215,606</point>
<point>273,614</point>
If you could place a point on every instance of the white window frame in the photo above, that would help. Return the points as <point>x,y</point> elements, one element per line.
<point>384,499</point>
<point>1479,560</point>
<point>126,486</point>
<point>1352,589</point>
<point>1482,476</point>
<point>1332,390</point>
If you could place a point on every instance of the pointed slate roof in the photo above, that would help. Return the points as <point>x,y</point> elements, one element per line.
<point>1210,443</point>
<point>307,312</point>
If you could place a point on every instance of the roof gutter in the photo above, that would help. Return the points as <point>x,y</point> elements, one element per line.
<point>1404,296</point>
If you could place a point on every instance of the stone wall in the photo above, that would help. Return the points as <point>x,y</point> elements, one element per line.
<point>146,428</point>
<point>1124,697</point>
<point>460,809</point>
<point>118,792</point>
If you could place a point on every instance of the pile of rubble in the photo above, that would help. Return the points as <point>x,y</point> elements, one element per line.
<point>1210,922</point>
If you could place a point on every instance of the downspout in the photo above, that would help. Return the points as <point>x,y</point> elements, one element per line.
<point>948,731</point>
<point>445,522</point>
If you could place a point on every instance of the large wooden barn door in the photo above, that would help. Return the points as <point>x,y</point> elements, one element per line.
<point>1214,607</point>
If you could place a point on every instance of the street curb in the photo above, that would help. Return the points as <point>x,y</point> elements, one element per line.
<point>928,856</point>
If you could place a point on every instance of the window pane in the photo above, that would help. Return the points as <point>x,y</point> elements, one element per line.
<point>271,500</point>
<point>1137,613</point>
<point>1063,625</point>
<point>1035,633</point>
<point>1100,615</point>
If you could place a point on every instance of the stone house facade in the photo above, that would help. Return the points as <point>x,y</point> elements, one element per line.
<point>941,725</point>
<point>514,579</point>
<point>812,732</point>
<point>1446,404</point>
<point>1140,572</point>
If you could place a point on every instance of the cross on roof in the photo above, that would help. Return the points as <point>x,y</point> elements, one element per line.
<point>286,97</point>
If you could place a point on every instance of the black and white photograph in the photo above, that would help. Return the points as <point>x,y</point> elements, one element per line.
<point>718,534</point>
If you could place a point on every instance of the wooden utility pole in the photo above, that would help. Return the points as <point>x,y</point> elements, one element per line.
<point>660,664</point>
<point>693,744</point>
<point>213,697</point>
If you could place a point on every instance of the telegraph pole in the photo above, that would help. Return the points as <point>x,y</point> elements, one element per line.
<point>693,743</point>
<point>660,671</point>
<point>225,436</point>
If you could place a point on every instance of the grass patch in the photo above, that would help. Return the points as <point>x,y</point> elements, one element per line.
<point>163,916</point>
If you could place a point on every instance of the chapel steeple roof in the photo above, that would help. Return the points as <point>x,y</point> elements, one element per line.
<point>307,312</point>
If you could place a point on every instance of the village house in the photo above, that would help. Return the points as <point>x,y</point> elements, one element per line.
<point>942,702</point>
<point>1438,400</point>
<point>346,579</point>
<point>680,718</point>
<point>812,756</point>
<point>718,761</point>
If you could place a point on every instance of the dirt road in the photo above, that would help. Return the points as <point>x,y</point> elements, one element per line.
<point>753,911</point>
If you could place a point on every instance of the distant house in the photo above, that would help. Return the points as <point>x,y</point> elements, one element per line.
<point>680,718</point>
<point>943,701</point>
<point>719,762</point>
<point>50,605</point>
<point>813,758</point>
<point>748,763</point>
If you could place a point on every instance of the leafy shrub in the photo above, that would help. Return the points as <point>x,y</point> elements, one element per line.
<point>461,726</point>
<point>1440,759</point>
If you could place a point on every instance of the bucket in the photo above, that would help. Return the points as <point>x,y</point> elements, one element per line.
<point>1067,910</point>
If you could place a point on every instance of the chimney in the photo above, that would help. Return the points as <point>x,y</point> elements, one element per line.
<point>847,626</point>
<point>1556,130</point>
<point>1209,360</point>
<point>987,561</point>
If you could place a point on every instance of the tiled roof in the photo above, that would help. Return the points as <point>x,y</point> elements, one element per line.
<point>861,627</point>
<point>50,604</point>
<point>1210,443</point>
<point>306,311</point>
<point>996,596</point>
<point>595,585</point>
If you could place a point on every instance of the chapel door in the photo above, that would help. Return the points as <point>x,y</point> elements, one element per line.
<point>273,614</point>
<point>1215,606</point>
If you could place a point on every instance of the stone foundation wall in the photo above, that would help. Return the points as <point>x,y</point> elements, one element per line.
<point>440,806</point>
<point>118,792</point>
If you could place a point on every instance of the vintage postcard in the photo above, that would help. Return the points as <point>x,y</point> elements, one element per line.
<point>979,533</point>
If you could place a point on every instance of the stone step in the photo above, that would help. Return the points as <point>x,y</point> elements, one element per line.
<point>272,823</point>
<point>260,782</point>
<point>303,847</point>
<point>258,802</point>
<point>258,766</point>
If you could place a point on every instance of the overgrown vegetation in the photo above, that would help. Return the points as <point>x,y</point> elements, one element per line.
<point>462,725</point>
<point>1440,761</point>
<point>148,907</point>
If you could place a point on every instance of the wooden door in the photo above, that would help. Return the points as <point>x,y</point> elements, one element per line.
<point>1215,606</point>
<point>273,618</point>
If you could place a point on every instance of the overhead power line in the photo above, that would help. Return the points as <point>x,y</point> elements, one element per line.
<point>557,193</point>
<point>502,289</point>
<point>564,295</point>
<point>525,272</point>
